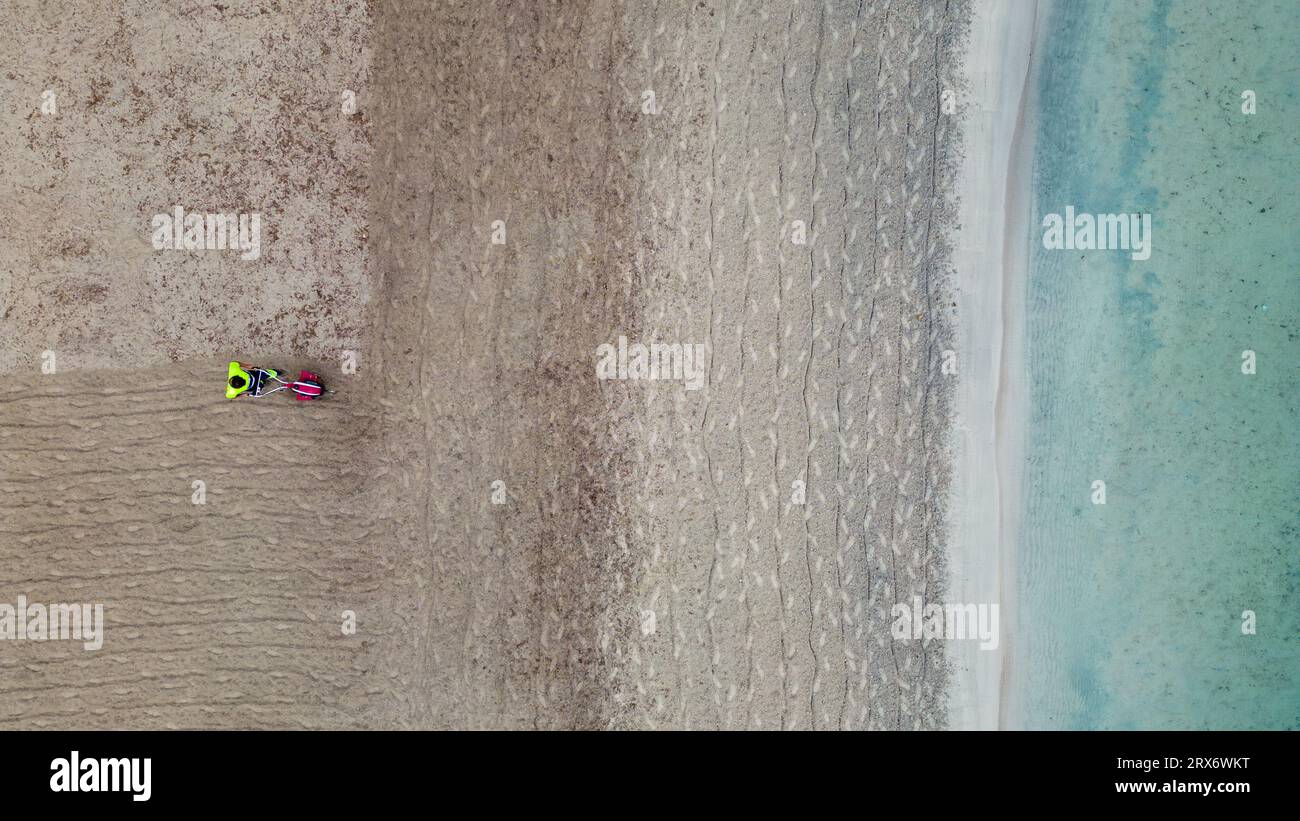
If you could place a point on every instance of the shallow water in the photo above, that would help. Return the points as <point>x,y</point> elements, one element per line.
<point>1131,613</point>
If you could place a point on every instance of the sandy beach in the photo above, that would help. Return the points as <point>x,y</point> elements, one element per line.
<point>522,543</point>
<point>784,510</point>
<point>991,260</point>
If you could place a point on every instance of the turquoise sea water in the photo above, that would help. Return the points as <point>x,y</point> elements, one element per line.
<point>1130,613</point>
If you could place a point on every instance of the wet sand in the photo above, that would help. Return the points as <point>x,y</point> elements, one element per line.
<point>990,409</point>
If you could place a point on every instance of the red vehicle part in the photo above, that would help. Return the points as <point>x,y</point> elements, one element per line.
<point>307,387</point>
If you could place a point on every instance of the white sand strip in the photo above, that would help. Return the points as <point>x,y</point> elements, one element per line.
<point>991,398</point>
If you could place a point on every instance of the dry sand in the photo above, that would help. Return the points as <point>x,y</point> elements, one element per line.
<point>825,366</point>
<point>647,567</point>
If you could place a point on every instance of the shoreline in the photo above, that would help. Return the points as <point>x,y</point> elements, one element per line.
<point>990,410</point>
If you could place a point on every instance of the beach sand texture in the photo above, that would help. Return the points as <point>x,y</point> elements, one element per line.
<point>989,409</point>
<point>717,558</point>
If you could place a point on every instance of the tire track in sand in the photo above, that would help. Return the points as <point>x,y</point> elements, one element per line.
<point>221,614</point>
